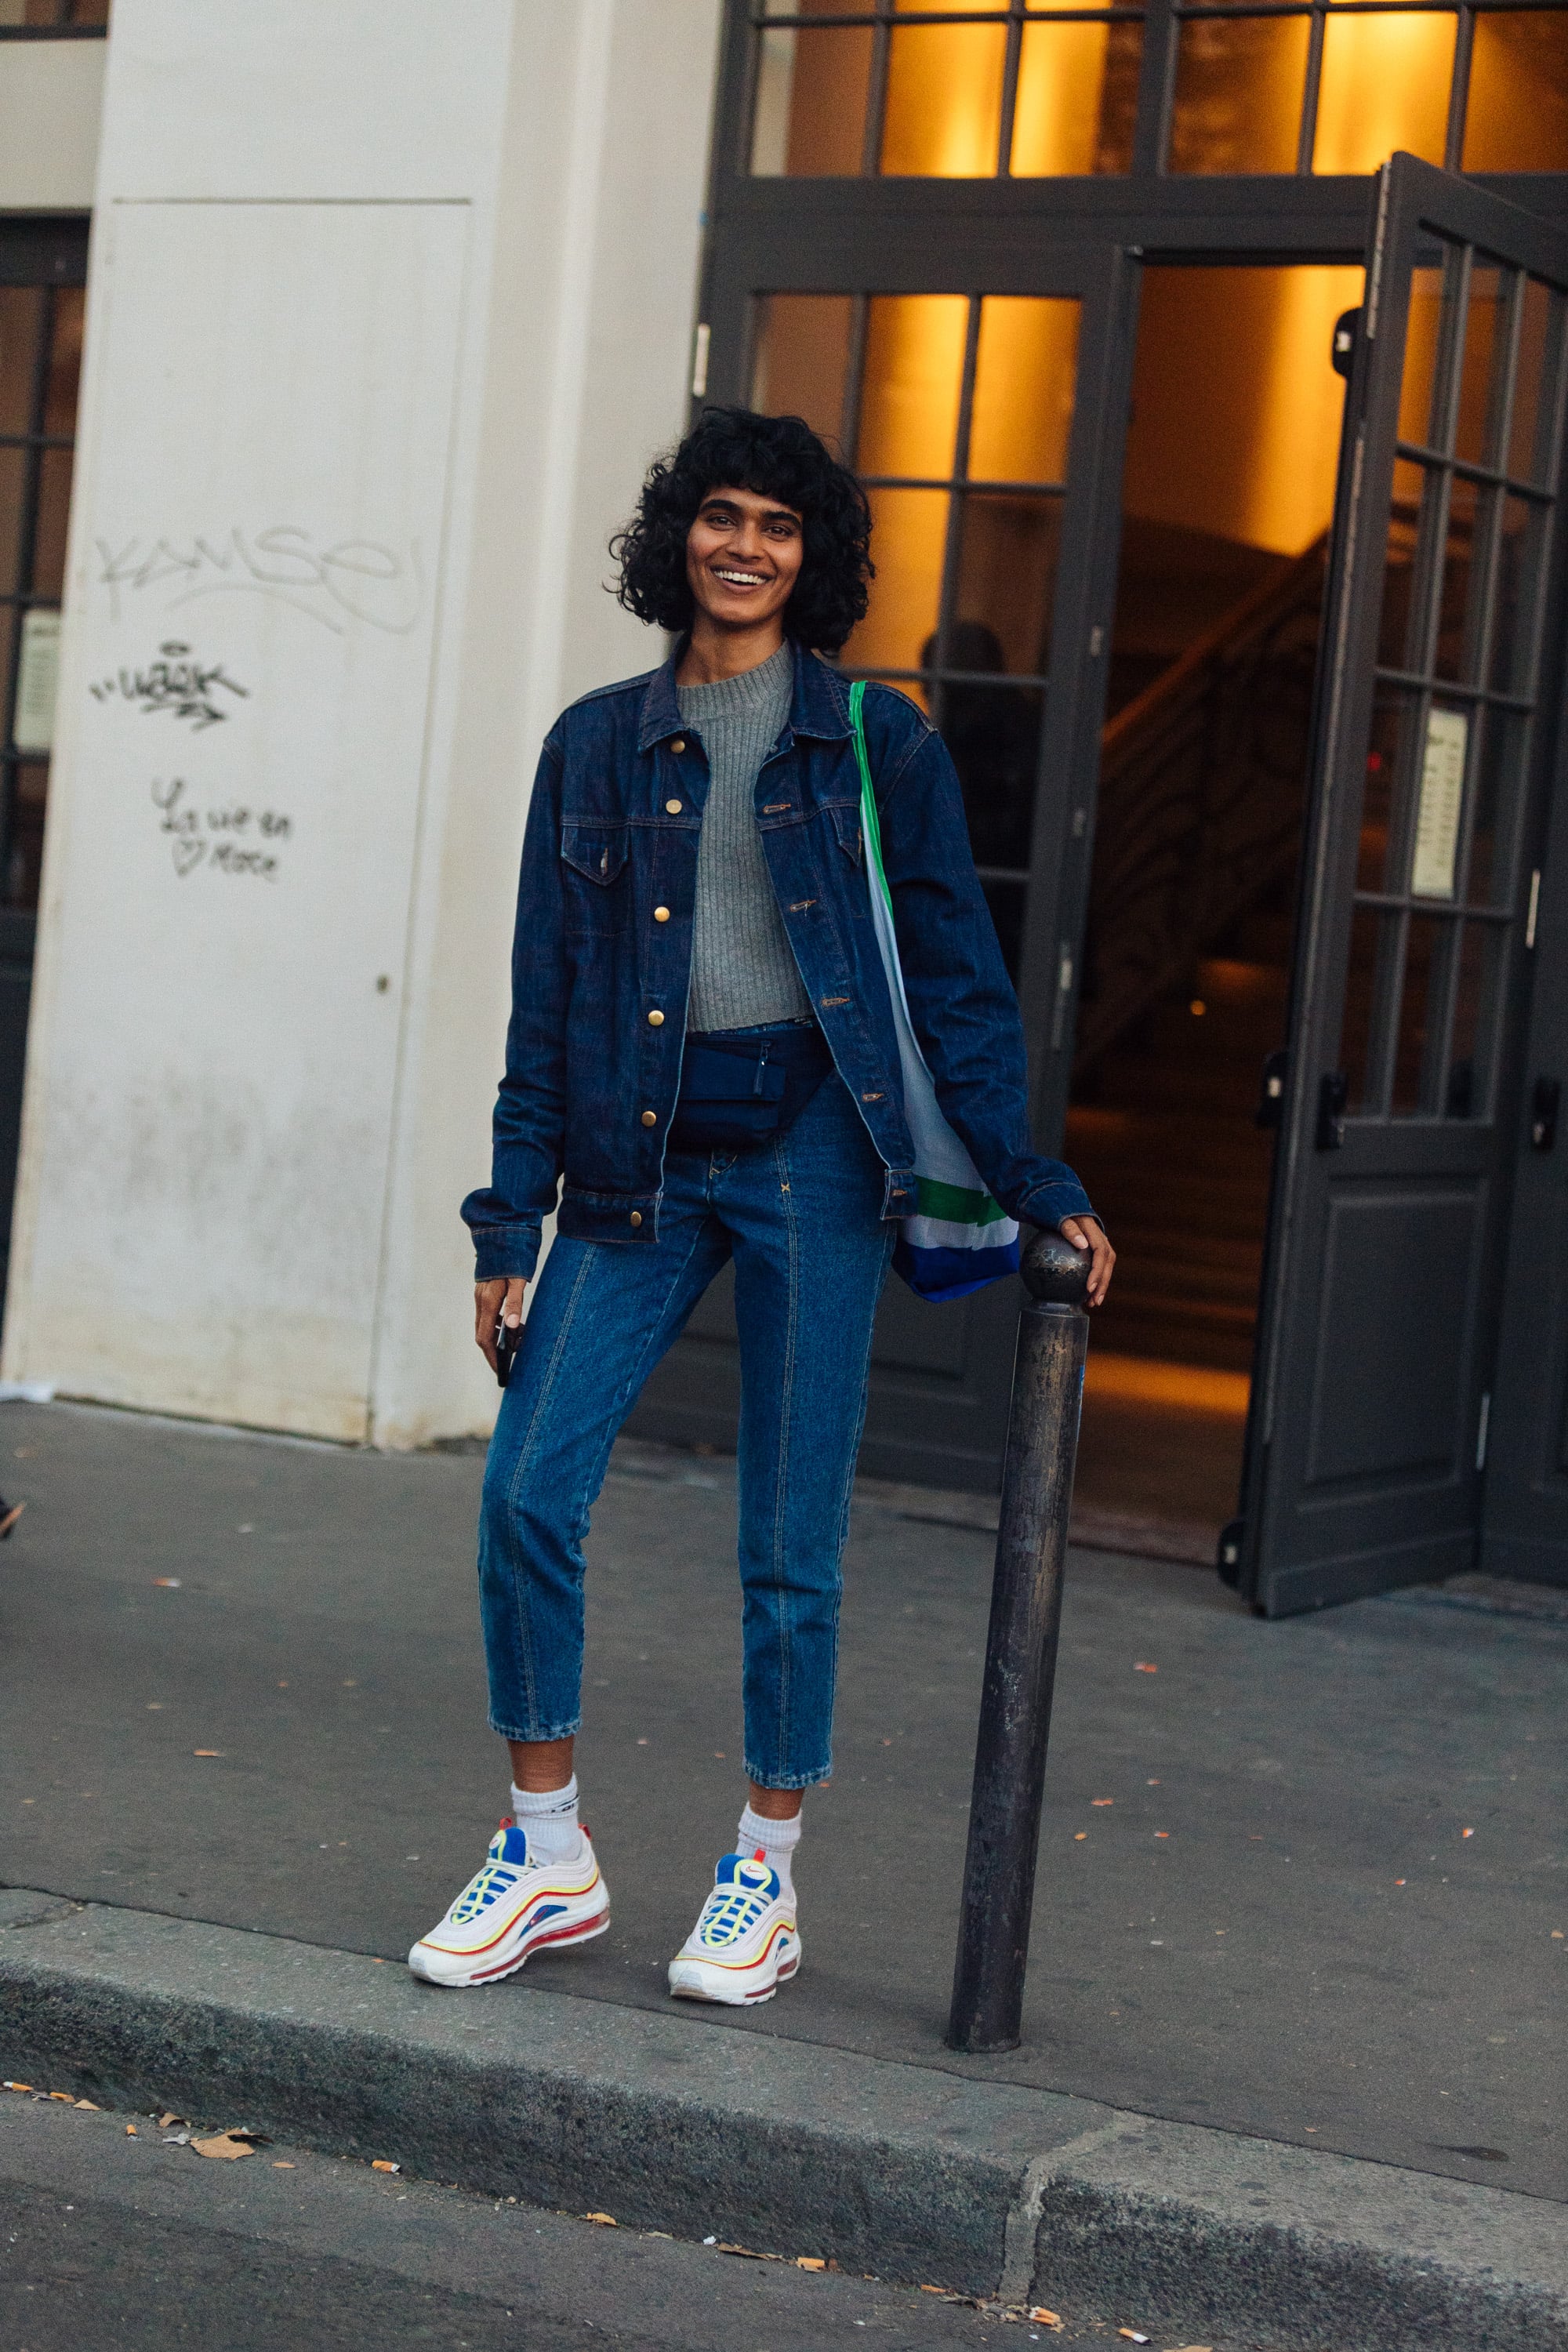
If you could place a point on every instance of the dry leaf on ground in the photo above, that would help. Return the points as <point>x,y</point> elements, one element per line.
<point>1191,2347</point>
<point>92,2105</point>
<point>606,2220</point>
<point>167,2122</point>
<point>1047,2318</point>
<point>223,2143</point>
<point>748,2253</point>
<point>809,2262</point>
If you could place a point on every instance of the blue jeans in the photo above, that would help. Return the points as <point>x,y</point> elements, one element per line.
<point>802,1217</point>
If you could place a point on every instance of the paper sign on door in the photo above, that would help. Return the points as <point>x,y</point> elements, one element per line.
<point>37,681</point>
<point>1442,799</point>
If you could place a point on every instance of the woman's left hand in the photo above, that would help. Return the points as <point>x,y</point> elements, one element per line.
<point>1088,1233</point>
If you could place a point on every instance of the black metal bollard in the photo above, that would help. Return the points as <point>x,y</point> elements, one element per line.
<point>1021,1649</point>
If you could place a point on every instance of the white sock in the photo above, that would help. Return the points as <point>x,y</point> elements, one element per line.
<point>549,1817</point>
<point>778,1841</point>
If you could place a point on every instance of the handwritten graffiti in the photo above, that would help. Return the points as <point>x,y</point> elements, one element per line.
<point>349,581</point>
<point>229,840</point>
<point>177,683</point>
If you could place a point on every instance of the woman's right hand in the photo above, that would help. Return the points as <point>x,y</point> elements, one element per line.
<point>492,1301</point>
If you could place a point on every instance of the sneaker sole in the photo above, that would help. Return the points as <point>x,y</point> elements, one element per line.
<point>561,1938</point>
<point>716,1985</point>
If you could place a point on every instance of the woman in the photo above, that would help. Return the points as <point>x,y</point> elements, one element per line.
<point>701,1047</point>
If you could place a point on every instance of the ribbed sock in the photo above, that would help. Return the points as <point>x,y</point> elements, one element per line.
<point>549,1818</point>
<point>778,1841</point>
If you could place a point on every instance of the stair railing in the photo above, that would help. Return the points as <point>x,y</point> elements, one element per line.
<point>1201,786</point>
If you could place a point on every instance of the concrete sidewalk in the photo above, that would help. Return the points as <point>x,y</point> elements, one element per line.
<point>1276,1927</point>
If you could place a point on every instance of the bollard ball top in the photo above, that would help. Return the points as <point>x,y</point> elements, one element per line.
<point>1053,1271</point>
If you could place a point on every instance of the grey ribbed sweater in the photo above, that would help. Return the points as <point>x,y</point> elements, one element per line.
<point>743,967</point>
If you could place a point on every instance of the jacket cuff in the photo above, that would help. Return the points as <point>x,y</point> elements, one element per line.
<point>505,1253</point>
<point>1051,1202</point>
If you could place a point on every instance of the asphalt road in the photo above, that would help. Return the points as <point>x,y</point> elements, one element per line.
<point>137,2245</point>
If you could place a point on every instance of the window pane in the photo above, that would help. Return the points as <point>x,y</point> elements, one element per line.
<point>1471,1053</point>
<point>11,465</point>
<point>944,100</point>
<point>1385,86</point>
<point>1391,761</point>
<point>1458,649</point>
<point>54,514</point>
<point>802,362</point>
<point>26,834</point>
<point>1077,98</point>
<point>1516,598</point>
<point>1477,428</point>
<point>20,310</point>
<point>994,735</point>
<point>1007,576</point>
<point>1516,119</point>
<point>1423,340</point>
<point>812,87</point>
<point>1239,94</point>
<point>914,364</point>
<point>65,361</point>
<point>1374,945</point>
<point>909,540</point>
<point>1415,1087</point>
<point>1026,375</point>
<point>1540,355</point>
<point>1401,628</point>
<point>1500,771</point>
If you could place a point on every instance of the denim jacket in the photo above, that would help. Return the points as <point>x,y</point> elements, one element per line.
<point>602,958</point>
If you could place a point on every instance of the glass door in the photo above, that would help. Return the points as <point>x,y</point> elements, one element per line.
<point>1369,1420</point>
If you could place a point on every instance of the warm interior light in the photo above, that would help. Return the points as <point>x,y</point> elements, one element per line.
<point>1385,86</point>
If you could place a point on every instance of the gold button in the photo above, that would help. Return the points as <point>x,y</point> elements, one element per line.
<point>672,808</point>
<point>650,1118</point>
<point>661,914</point>
<point>656,1019</point>
<point>678,742</point>
<point>636,1216</point>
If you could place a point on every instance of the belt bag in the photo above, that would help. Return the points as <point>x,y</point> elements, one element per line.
<point>958,1239</point>
<point>739,1091</point>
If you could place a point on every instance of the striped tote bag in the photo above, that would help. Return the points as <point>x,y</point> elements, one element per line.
<point>958,1239</point>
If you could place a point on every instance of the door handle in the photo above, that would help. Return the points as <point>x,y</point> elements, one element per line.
<point>1271,1092</point>
<point>1334,1093</point>
<point>1545,1101</point>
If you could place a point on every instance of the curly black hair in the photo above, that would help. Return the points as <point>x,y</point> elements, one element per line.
<point>778,457</point>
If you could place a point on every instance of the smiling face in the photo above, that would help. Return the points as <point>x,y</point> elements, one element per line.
<point>742,559</point>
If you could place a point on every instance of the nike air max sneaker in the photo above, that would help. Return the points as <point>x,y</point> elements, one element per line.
<point>746,1943</point>
<point>511,1907</point>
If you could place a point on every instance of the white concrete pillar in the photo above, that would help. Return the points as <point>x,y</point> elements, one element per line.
<point>389,304</point>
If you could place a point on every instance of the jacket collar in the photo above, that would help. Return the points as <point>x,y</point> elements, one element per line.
<point>819,706</point>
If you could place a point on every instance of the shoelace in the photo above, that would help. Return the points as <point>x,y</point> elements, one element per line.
<point>729,1914</point>
<point>490,1881</point>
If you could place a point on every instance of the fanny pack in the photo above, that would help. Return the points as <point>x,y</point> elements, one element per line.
<point>737,1091</point>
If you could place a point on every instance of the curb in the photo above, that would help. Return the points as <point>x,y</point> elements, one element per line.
<point>669,2123</point>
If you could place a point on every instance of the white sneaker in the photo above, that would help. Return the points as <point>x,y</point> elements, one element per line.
<point>513,1905</point>
<point>746,1943</point>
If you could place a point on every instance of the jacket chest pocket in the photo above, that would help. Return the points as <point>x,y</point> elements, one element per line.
<point>845,818</point>
<point>595,887</point>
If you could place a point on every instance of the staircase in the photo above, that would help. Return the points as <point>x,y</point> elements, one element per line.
<point>1169,1154</point>
<point>1187,967</point>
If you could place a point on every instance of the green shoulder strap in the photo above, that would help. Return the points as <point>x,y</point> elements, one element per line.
<point>869,824</point>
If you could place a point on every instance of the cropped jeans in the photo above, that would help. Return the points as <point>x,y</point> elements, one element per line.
<point>801,1217</point>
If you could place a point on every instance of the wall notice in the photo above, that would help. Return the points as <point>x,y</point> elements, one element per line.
<point>1442,800</point>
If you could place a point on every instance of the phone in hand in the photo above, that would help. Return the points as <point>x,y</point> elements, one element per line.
<point>508,1338</point>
